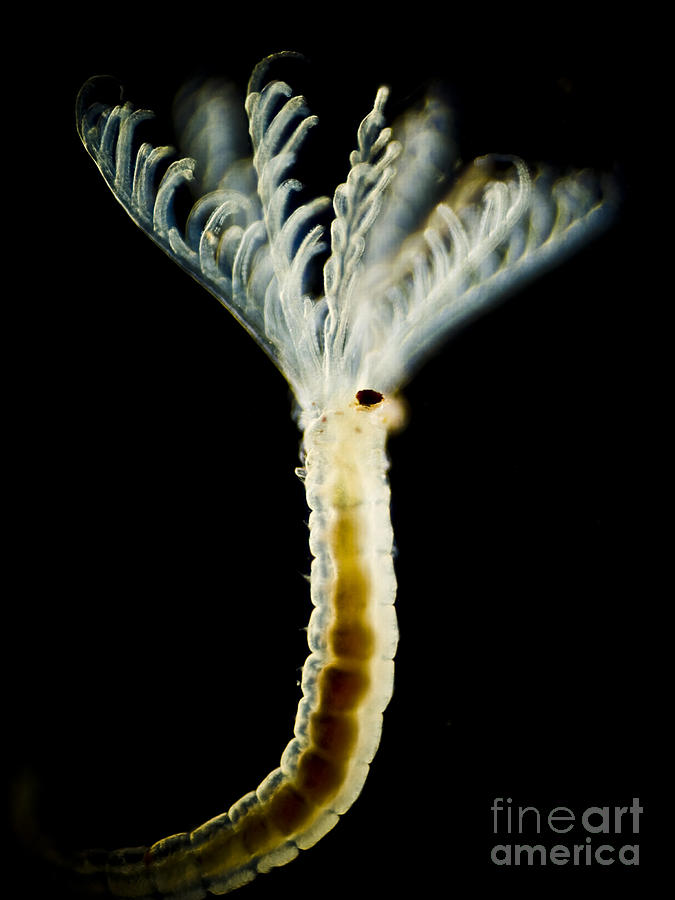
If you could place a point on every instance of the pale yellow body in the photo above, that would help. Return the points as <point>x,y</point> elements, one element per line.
<point>347,682</point>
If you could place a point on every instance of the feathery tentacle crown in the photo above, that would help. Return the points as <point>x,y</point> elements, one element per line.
<point>398,275</point>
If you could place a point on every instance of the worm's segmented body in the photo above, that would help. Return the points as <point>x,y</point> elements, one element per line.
<point>347,681</point>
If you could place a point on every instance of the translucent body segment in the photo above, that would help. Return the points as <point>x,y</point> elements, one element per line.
<point>352,639</point>
<point>129,877</point>
<point>319,828</point>
<point>280,856</point>
<point>319,777</point>
<point>174,865</point>
<point>317,630</point>
<point>342,688</point>
<point>333,734</point>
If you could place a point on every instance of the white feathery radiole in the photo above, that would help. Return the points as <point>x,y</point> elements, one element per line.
<point>400,271</point>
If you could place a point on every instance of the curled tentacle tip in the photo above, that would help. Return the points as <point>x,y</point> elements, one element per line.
<point>258,77</point>
<point>107,85</point>
<point>96,90</point>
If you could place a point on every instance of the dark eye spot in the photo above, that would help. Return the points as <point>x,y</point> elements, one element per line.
<point>368,397</point>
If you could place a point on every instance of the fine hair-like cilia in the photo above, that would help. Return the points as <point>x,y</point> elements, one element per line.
<point>399,272</point>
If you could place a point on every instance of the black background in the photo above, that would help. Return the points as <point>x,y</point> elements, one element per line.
<point>156,604</point>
